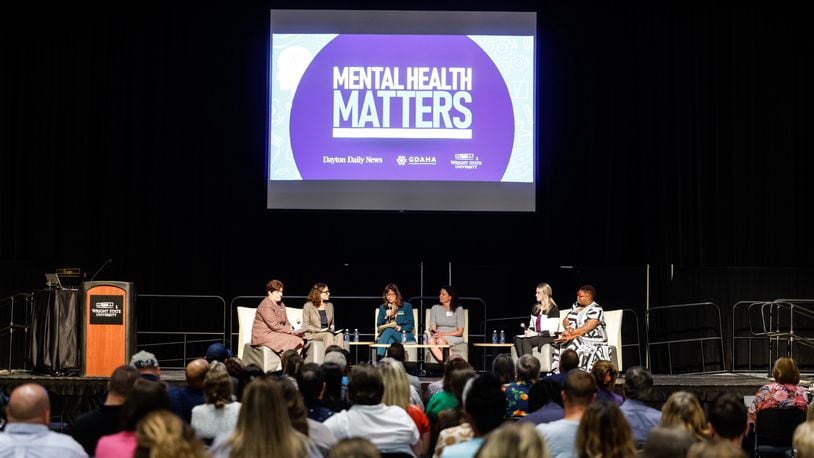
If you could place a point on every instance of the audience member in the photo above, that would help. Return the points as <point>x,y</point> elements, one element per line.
<point>445,399</point>
<point>147,365</point>
<point>604,432</point>
<point>545,403</point>
<point>642,419</point>
<point>578,392</point>
<point>514,440</point>
<point>219,414</point>
<point>397,393</point>
<point>517,393</point>
<point>90,426</point>
<point>569,360</point>
<point>256,436</point>
<point>784,392</point>
<point>320,438</point>
<point>727,419</point>
<point>311,384</point>
<point>247,375</point>
<point>803,440</point>
<point>683,410</point>
<point>715,449</point>
<point>183,399</point>
<point>503,368</point>
<point>390,428</point>
<point>396,351</point>
<point>291,362</point>
<point>145,397</point>
<point>451,427</point>
<point>27,434</point>
<point>605,374</point>
<point>667,442</point>
<point>354,447</point>
<point>484,405</point>
<point>217,352</point>
<point>161,434</point>
<point>335,397</point>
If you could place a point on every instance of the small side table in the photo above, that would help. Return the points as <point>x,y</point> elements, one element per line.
<point>489,347</point>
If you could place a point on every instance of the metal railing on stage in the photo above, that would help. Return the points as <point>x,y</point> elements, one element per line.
<point>747,333</point>
<point>15,316</point>
<point>173,354</point>
<point>652,341</point>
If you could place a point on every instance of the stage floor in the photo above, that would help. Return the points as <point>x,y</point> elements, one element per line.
<point>73,395</point>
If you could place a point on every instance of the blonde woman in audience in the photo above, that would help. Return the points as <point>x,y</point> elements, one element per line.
<point>161,434</point>
<point>397,393</point>
<point>604,432</point>
<point>256,436</point>
<point>219,414</point>
<point>683,410</point>
<point>803,440</point>
<point>355,447</point>
<point>514,440</point>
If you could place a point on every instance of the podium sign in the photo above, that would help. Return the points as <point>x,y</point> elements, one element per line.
<point>108,326</point>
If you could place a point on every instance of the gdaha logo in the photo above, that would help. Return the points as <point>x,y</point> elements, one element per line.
<point>369,104</point>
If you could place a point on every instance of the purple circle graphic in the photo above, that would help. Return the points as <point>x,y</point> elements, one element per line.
<point>402,107</point>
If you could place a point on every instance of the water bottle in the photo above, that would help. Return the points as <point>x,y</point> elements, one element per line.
<point>347,336</point>
<point>494,336</point>
<point>355,335</point>
<point>403,336</point>
<point>502,337</point>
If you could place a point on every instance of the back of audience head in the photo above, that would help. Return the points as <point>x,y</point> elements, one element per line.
<point>604,431</point>
<point>161,434</point>
<point>291,361</point>
<point>683,410</point>
<point>145,397</point>
<point>605,374</point>
<point>336,358</point>
<point>195,371</point>
<point>310,381</point>
<point>332,375</point>
<point>638,383</point>
<point>354,447</point>
<point>528,369</point>
<point>803,440</point>
<point>396,351</point>
<point>568,360</point>
<point>337,348</point>
<point>503,368</point>
<point>579,389</point>
<point>234,366</point>
<point>29,403</point>
<point>458,380</point>
<point>254,435</point>
<point>785,371</point>
<point>122,379</point>
<point>396,384</point>
<point>452,365</point>
<point>727,417</point>
<point>668,442</point>
<point>217,386</point>
<point>365,386</point>
<point>715,449</point>
<point>248,375</point>
<point>484,403</point>
<point>514,440</point>
<point>544,392</point>
<point>297,413</point>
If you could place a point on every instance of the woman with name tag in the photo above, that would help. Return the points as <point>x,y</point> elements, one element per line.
<point>446,325</point>
<point>395,316</point>
<point>544,309</point>
<point>271,327</point>
<point>318,316</point>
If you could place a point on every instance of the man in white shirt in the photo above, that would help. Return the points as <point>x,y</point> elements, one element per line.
<point>578,392</point>
<point>27,433</point>
<point>389,428</point>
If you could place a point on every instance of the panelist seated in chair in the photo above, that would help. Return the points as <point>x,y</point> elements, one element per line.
<point>544,309</point>
<point>585,331</point>
<point>395,317</point>
<point>446,325</point>
<point>318,316</point>
<point>271,327</point>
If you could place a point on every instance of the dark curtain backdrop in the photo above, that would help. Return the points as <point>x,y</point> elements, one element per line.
<point>668,134</point>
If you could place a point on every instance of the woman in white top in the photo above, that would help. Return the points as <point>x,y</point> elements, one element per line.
<point>219,414</point>
<point>544,308</point>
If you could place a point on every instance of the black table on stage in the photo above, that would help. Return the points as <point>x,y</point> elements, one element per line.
<point>54,336</point>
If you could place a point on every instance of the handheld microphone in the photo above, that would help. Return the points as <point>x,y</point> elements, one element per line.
<point>523,325</point>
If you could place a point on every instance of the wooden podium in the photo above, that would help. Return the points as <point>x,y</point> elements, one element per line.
<point>108,336</point>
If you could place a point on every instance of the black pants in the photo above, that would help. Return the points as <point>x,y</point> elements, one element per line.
<point>525,345</point>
